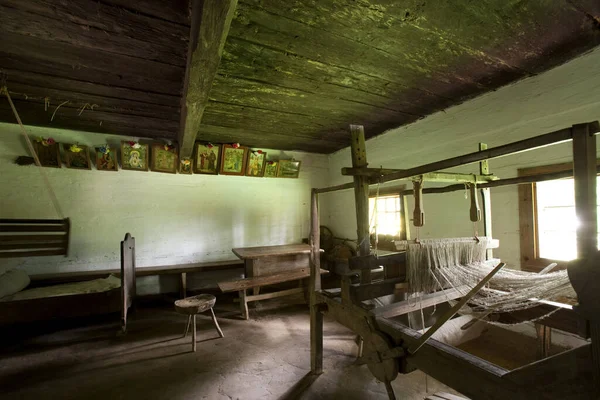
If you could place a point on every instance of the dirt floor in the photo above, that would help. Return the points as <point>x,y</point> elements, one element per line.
<point>267,357</point>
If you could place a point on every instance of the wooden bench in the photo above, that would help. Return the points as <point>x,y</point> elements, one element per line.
<point>269,265</point>
<point>181,269</point>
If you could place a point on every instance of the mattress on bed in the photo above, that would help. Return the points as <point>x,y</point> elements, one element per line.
<point>67,289</point>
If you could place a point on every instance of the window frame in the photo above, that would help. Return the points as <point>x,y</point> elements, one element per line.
<point>395,191</point>
<point>528,219</point>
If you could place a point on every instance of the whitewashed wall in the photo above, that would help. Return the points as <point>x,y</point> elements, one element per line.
<point>556,99</point>
<point>174,218</point>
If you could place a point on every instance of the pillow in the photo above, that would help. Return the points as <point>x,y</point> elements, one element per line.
<point>13,281</point>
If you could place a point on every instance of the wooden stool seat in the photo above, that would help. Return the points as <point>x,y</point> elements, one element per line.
<point>196,304</point>
<point>191,306</point>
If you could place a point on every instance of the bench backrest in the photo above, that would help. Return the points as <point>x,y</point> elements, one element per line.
<point>34,237</point>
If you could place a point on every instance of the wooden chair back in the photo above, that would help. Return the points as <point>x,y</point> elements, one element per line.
<point>34,237</point>
<point>128,289</point>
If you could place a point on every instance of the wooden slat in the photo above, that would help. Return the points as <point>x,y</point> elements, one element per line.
<point>58,237</point>
<point>270,251</point>
<point>32,253</point>
<point>32,221</point>
<point>248,283</point>
<point>266,296</point>
<point>31,228</point>
<point>97,26</point>
<point>373,262</point>
<point>90,121</point>
<point>35,94</point>
<point>19,246</point>
<point>428,300</point>
<point>210,24</point>
<point>376,289</point>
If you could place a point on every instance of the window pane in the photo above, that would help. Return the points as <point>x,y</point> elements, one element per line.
<point>557,222</point>
<point>387,219</point>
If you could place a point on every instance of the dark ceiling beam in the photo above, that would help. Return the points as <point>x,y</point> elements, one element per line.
<point>211,20</point>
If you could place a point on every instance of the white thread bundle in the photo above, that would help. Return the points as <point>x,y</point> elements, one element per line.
<point>436,264</point>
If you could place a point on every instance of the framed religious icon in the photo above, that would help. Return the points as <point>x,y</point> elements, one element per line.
<point>106,159</point>
<point>233,159</point>
<point>185,166</point>
<point>134,156</point>
<point>271,169</point>
<point>206,158</point>
<point>255,166</point>
<point>164,158</point>
<point>48,152</point>
<point>77,156</point>
<point>288,169</point>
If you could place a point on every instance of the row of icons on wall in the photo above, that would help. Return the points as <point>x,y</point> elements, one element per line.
<point>208,158</point>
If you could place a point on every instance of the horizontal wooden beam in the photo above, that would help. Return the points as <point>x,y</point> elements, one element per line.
<point>266,296</point>
<point>402,245</point>
<point>372,261</point>
<point>211,20</point>
<point>248,283</point>
<point>427,300</point>
<point>366,291</point>
<point>376,173</point>
<point>533,143</point>
<point>520,180</point>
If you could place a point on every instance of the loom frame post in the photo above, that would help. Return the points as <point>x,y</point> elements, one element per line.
<point>361,195</point>
<point>486,202</point>
<point>316,315</point>
<point>584,173</point>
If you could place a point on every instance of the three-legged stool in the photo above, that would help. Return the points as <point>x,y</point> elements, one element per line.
<point>195,305</point>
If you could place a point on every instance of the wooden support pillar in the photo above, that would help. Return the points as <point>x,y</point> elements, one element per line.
<point>584,172</point>
<point>316,317</point>
<point>183,285</point>
<point>361,195</point>
<point>210,22</point>
<point>486,202</point>
<point>544,341</point>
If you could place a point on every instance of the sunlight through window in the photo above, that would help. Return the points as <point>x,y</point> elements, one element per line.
<point>557,222</point>
<point>384,215</point>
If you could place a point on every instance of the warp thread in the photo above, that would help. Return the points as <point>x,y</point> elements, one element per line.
<point>435,264</point>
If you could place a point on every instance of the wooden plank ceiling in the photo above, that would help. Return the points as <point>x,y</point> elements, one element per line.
<point>293,74</point>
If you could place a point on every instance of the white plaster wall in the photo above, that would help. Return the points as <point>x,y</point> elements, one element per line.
<point>559,98</point>
<point>174,218</point>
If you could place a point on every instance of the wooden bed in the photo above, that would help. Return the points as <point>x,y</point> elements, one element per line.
<point>116,299</point>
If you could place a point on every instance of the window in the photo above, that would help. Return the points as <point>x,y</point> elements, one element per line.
<point>547,219</point>
<point>385,215</point>
<point>556,219</point>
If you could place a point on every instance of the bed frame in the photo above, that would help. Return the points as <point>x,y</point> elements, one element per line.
<point>79,305</point>
<point>391,347</point>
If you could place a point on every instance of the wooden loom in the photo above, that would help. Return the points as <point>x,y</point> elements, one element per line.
<point>391,347</point>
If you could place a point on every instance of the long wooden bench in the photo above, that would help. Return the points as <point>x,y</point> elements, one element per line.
<point>241,285</point>
<point>181,269</point>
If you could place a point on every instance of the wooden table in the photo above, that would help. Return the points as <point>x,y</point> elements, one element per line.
<point>269,265</point>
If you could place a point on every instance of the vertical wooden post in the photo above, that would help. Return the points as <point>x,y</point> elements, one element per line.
<point>486,202</point>
<point>544,341</point>
<point>183,285</point>
<point>316,317</point>
<point>361,195</point>
<point>584,172</point>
